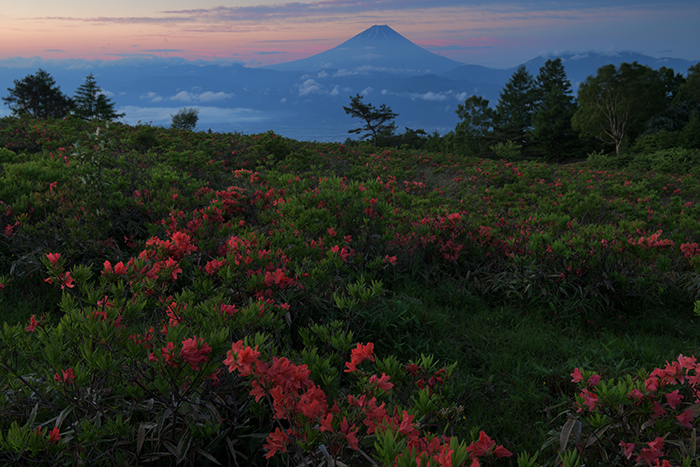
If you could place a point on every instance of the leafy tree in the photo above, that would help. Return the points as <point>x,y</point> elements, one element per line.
<point>92,104</point>
<point>37,95</point>
<point>377,122</point>
<point>689,90</point>
<point>185,119</point>
<point>515,107</point>
<point>617,102</point>
<point>552,132</point>
<point>476,123</point>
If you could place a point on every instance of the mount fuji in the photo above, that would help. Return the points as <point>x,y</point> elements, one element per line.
<point>377,49</point>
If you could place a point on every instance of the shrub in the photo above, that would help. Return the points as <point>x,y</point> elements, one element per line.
<point>185,119</point>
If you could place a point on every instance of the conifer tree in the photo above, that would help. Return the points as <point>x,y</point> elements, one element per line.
<point>379,122</point>
<point>552,134</point>
<point>515,107</point>
<point>92,104</point>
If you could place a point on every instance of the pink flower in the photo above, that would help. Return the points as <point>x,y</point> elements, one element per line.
<point>67,280</point>
<point>590,399</point>
<point>213,266</point>
<point>325,423</point>
<point>658,410</point>
<point>227,309</point>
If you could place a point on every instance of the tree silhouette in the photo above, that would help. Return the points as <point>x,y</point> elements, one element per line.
<point>476,122</point>
<point>378,122</point>
<point>185,119</point>
<point>515,107</point>
<point>552,132</point>
<point>37,95</point>
<point>92,104</point>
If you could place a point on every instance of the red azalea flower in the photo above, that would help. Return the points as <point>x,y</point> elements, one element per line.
<point>358,355</point>
<point>120,269</point>
<point>33,323</point>
<point>629,449</point>
<point>65,376</point>
<point>685,418</point>
<point>244,358</point>
<point>195,352</point>
<point>54,435</point>
<point>276,441</point>
<point>382,383</point>
<point>576,376</point>
<point>53,258</point>
<point>674,398</point>
<point>67,280</point>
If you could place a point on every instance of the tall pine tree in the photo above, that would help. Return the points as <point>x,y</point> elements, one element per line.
<point>92,104</point>
<point>552,135</point>
<point>515,106</point>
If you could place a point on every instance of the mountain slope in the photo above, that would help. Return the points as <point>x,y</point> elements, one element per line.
<point>377,49</point>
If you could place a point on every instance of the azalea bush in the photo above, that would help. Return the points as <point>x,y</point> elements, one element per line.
<point>642,419</point>
<point>131,374</point>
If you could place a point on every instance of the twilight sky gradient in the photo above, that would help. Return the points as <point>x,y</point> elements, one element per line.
<point>499,33</point>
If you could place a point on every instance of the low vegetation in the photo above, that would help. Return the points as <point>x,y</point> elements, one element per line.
<point>184,297</point>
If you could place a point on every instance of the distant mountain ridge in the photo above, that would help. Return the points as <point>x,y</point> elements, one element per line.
<point>304,99</point>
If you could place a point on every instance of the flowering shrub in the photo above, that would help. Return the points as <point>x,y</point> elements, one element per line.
<point>647,419</point>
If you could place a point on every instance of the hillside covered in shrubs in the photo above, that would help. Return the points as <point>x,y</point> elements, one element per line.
<point>188,297</point>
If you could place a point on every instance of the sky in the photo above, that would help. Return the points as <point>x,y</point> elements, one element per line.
<point>498,33</point>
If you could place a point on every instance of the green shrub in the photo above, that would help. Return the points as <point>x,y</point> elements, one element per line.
<point>673,160</point>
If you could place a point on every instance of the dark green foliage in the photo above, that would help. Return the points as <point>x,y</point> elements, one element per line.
<point>378,122</point>
<point>689,91</point>
<point>516,104</point>
<point>92,104</point>
<point>552,133</point>
<point>476,124</point>
<point>185,119</point>
<point>38,96</point>
<point>615,104</point>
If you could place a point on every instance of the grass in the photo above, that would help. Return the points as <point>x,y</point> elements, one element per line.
<point>514,361</point>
